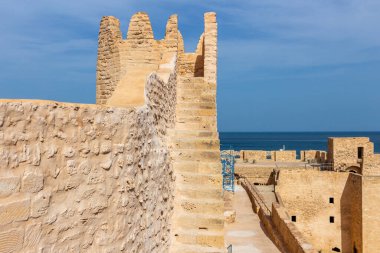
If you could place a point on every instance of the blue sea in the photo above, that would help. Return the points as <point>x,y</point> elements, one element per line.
<point>290,140</point>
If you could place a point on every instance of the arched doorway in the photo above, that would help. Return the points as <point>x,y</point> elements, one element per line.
<point>354,169</point>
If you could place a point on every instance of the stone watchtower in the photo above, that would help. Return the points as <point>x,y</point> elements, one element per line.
<point>123,68</point>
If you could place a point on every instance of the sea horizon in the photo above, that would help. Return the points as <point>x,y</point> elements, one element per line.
<point>289,140</point>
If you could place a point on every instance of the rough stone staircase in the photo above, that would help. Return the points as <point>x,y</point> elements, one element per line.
<point>198,222</point>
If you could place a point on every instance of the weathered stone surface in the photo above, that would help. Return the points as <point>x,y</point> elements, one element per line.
<point>11,240</point>
<point>33,233</point>
<point>9,185</point>
<point>32,181</point>
<point>15,209</point>
<point>40,204</point>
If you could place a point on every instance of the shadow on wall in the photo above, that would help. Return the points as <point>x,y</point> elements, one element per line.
<point>351,214</point>
<point>199,63</point>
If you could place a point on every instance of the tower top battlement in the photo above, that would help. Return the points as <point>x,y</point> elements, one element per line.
<point>124,64</point>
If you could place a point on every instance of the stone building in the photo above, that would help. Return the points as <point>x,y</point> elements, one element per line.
<point>353,154</point>
<point>137,172</point>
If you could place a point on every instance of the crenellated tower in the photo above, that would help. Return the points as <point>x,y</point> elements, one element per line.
<point>197,223</point>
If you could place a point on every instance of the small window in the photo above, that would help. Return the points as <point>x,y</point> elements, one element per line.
<point>336,249</point>
<point>332,219</point>
<point>294,218</point>
<point>331,200</point>
<point>360,152</point>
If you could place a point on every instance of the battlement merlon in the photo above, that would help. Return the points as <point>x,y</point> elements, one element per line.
<point>210,47</point>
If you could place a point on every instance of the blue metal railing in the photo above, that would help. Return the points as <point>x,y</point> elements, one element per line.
<point>228,170</point>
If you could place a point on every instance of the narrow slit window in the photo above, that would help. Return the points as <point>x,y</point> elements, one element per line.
<point>360,152</point>
<point>331,200</point>
<point>332,219</point>
<point>294,218</point>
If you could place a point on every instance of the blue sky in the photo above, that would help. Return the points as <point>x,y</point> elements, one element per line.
<point>295,65</point>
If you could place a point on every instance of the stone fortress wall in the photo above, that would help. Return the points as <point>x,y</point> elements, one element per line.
<point>88,178</point>
<point>307,195</point>
<point>333,209</point>
<point>137,172</point>
<point>283,156</point>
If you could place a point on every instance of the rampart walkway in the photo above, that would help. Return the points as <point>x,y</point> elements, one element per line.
<point>246,234</point>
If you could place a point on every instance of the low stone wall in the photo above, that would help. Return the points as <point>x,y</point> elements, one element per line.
<point>77,178</point>
<point>277,224</point>
<point>261,155</point>
<point>370,214</point>
<point>262,174</point>
<point>259,175</point>
<point>285,156</point>
<point>253,155</point>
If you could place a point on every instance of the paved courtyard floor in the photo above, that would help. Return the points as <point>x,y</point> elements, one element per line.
<point>246,234</point>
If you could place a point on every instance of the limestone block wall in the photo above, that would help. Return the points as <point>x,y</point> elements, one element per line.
<point>285,156</point>
<point>371,165</point>
<point>313,155</point>
<point>306,195</point>
<point>250,155</point>
<point>293,239</point>
<point>86,178</point>
<point>108,69</point>
<point>370,214</point>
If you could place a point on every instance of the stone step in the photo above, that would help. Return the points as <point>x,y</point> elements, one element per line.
<point>196,105</point>
<point>196,98</point>
<point>195,143</point>
<point>198,167</point>
<point>203,206</point>
<point>195,112</point>
<point>204,191</point>
<point>196,85</point>
<point>196,179</point>
<point>197,126</point>
<point>195,92</point>
<point>175,133</point>
<point>192,143</point>
<point>206,222</point>
<point>196,155</point>
<point>200,237</point>
<point>197,119</point>
<point>186,248</point>
<point>190,79</point>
